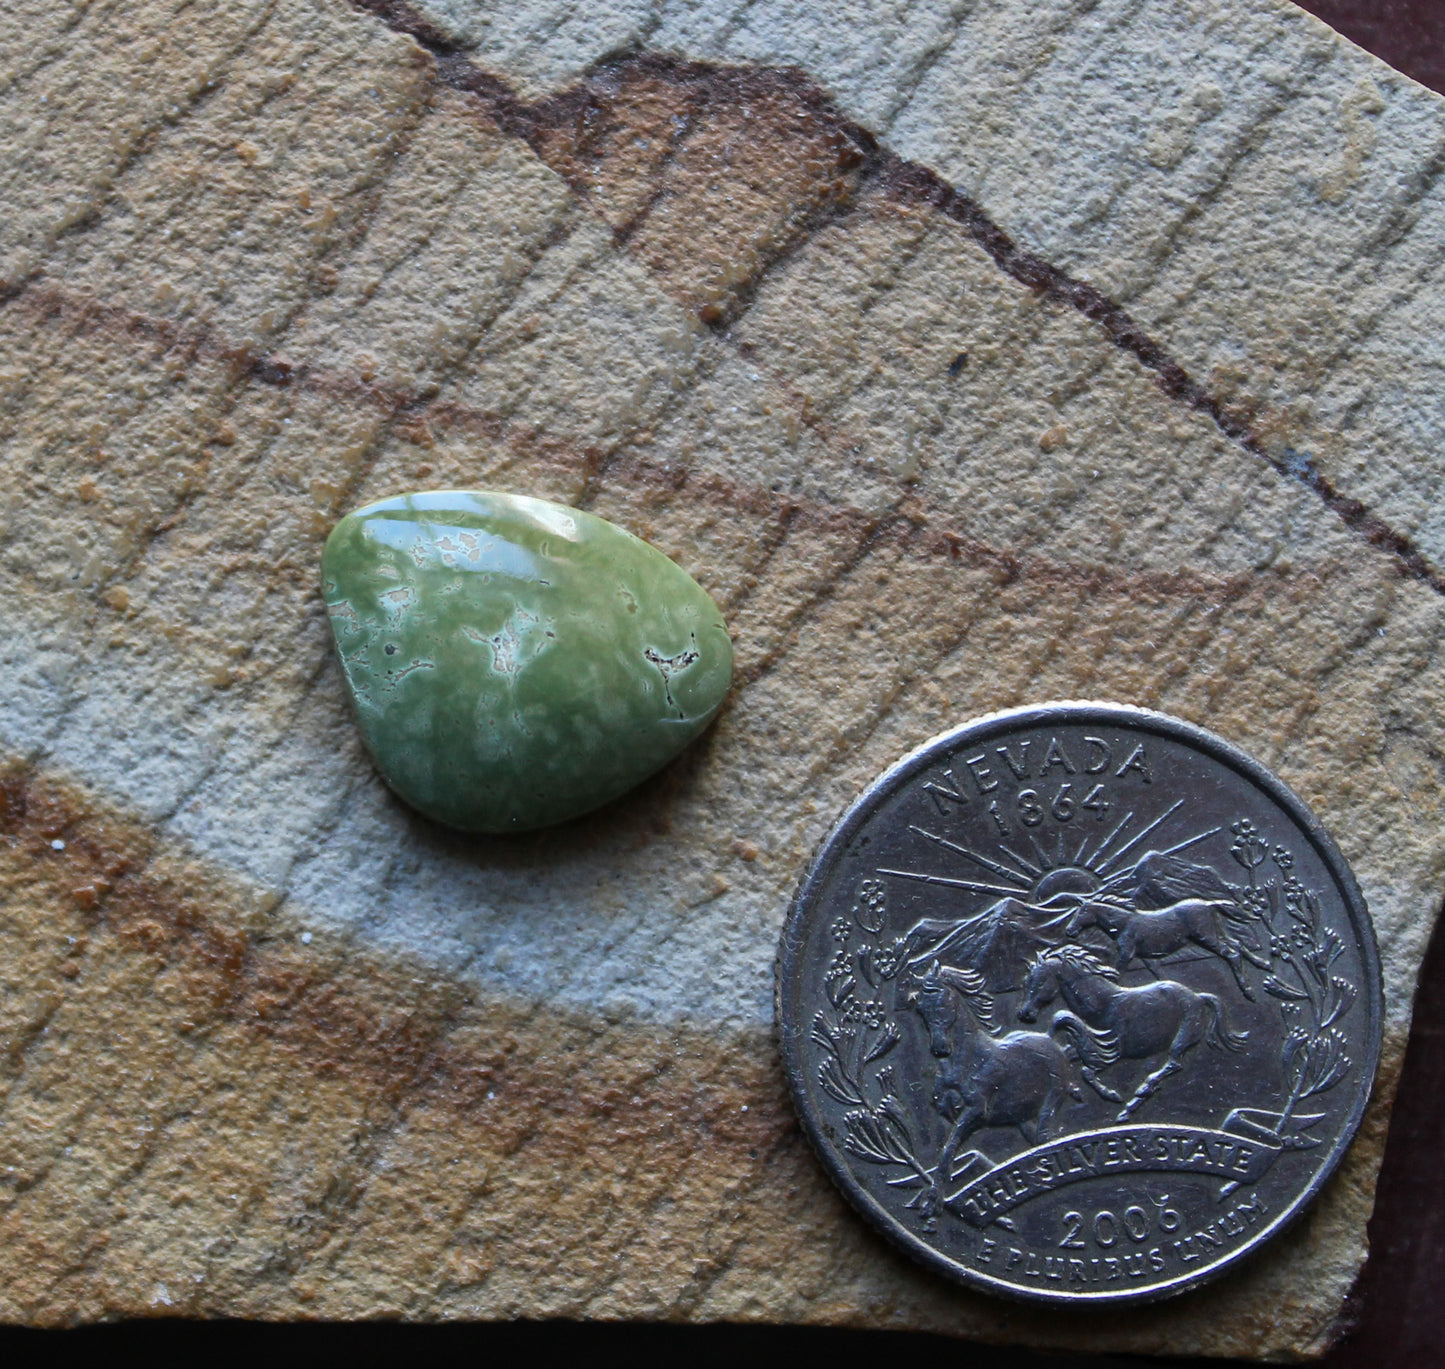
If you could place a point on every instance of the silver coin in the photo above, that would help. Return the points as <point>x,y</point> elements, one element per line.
<point>1080,1004</point>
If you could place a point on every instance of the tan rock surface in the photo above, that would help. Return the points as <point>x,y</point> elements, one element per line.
<point>958,389</point>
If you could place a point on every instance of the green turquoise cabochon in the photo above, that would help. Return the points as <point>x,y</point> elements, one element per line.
<point>513,662</point>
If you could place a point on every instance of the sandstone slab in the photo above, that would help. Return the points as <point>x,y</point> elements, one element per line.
<point>1017,351</point>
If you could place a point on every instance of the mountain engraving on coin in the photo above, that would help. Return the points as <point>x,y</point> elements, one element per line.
<point>1079,1003</point>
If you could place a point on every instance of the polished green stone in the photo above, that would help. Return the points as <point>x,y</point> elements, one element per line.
<point>513,662</point>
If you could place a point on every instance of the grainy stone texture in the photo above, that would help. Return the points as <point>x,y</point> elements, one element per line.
<point>999,352</point>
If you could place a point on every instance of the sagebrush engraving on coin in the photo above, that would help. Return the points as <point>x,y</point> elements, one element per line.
<point>1080,1003</point>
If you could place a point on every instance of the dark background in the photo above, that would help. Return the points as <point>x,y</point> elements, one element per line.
<point>1397,1309</point>
<point>1408,34</point>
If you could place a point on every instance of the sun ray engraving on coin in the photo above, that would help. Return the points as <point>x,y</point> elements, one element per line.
<point>1079,1003</point>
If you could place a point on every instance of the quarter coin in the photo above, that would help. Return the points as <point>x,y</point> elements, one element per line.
<point>1079,1003</point>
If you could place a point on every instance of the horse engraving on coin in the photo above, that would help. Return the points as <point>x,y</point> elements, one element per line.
<point>1079,1003</point>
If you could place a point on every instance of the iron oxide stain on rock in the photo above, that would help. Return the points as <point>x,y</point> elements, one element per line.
<point>512,662</point>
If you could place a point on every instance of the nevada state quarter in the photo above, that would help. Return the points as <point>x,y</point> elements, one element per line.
<point>1079,1004</point>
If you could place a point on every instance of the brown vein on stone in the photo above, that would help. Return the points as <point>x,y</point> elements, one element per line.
<point>215,982</point>
<point>921,525</point>
<point>124,886</point>
<point>721,87</point>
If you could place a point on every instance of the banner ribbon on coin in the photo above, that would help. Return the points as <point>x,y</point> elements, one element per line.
<point>1239,1153</point>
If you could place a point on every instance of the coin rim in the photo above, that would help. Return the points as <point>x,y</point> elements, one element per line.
<point>787,988</point>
